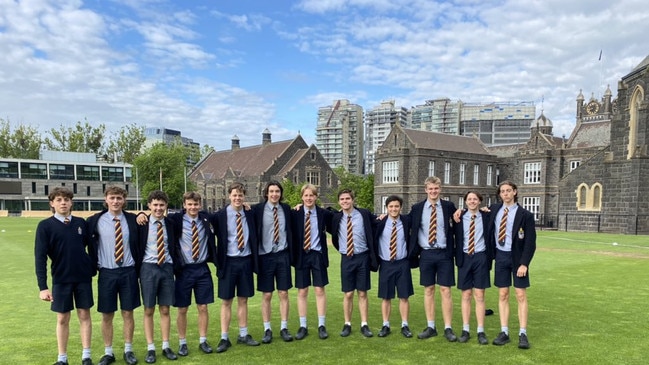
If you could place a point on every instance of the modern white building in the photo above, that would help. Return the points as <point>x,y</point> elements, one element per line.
<point>339,135</point>
<point>378,124</point>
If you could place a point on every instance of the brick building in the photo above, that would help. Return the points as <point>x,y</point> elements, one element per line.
<point>254,166</point>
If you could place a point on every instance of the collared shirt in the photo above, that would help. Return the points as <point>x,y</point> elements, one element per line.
<point>360,242</point>
<point>106,250</point>
<point>151,250</point>
<point>422,235</point>
<point>510,226</point>
<point>315,236</point>
<point>268,230</point>
<point>384,240</point>
<point>233,245</point>
<point>61,218</point>
<point>186,240</point>
<point>480,244</point>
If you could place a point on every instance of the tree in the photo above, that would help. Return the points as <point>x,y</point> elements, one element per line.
<point>22,142</point>
<point>362,186</point>
<point>167,165</point>
<point>127,144</point>
<point>81,138</point>
<point>206,149</point>
<point>291,195</point>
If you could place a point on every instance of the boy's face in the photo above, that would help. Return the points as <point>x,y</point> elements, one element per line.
<point>62,205</point>
<point>346,202</point>
<point>309,198</point>
<point>114,202</point>
<point>236,199</point>
<point>507,194</point>
<point>394,209</point>
<point>472,202</point>
<point>274,194</point>
<point>432,191</point>
<point>192,207</point>
<point>158,208</point>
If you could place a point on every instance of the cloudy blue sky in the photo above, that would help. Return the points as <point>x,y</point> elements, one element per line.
<point>212,69</point>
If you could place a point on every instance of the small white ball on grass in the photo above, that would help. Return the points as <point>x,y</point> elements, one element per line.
<point>614,243</point>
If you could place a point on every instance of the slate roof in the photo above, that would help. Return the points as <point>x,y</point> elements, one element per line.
<point>245,161</point>
<point>445,142</point>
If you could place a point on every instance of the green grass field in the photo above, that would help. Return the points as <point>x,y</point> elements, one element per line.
<point>588,305</point>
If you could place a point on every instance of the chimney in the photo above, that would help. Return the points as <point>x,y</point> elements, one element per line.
<point>265,137</point>
<point>235,143</point>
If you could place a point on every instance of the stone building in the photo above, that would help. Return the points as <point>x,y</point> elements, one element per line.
<point>408,157</point>
<point>254,166</point>
<point>607,191</point>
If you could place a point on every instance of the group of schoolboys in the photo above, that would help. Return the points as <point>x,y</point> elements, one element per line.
<point>169,255</point>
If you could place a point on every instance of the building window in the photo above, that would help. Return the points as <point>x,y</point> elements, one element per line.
<point>33,187</point>
<point>431,168</point>
<point>296,176</point>
<point>532,173</point>
<point>88,173</point>
<point>329,178</point>
<point>460,203</point>
<point>9,169</point>
<point>574,164</point>
<point>313,177</point>
<point>476,174</point>
<point>462,172</point>
<point>533,204</point>
<point>490,172</point>
<point>597,196</point>
<point>384,209</point>
<point>87,190</point>
<point>313,155</point>
<point>112,173</point>
<point>33,170</point>
<point>46,190</point>
<point>74,188</point>
<point>391,172</point>
<point>582,196</point>
<point>61,172</point>
<point>447,172</point>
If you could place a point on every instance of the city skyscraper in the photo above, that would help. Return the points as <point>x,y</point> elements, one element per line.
<point>339,135</point>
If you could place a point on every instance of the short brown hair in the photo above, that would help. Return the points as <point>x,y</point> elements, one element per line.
<point>157,195</point>
<point>433,180</point>
<point>60,191</point>
<point>115,190</point>
<point>346,191</point>
<point>192,195</point>
<point>237,186</point>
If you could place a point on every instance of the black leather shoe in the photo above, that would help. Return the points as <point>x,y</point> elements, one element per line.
<point>385,330</point>
<point>347,330</point>
<point>86,361</point>
<point>501,339</point>
<point>285,335</point>
<point>129,358</point>
<point>523,343</point>
<point>365,330</point>
<point>61,363</point>
<point>268,336</point>
<point>405,331</point>
<point>301,333</point>
<point>183,350</point>
<point>107,359</point>
<point>224,345</point>
<point>450,336</point>
<point>464,337</point>
<point>247,340</point>
<point>482,338</point>
<point>169,353</point>
<point>322,332</point>
<point>205,347</point>
<point>150,357</point>
<point>428,332</point>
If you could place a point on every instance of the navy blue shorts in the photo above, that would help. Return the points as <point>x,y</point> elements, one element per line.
<point>474,272</point>
<point>313,271</point>
<point>157,284</point>
<point>68,296</point>
<point>237,275</point>
<point>196,278</point>
<point>505,272</point>
<point>355,272</point>
<point>120,282</point>
<point>395,275</point>
<point>274,268</point>
<point>435,267</point>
